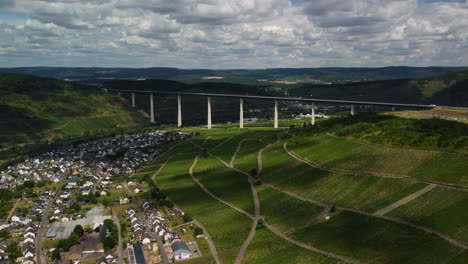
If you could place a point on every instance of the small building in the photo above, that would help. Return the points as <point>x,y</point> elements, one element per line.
<point>124,200</point>
<point>181,250</point>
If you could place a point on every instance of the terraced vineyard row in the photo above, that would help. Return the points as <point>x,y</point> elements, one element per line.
<point>360,192</point>
<point>442,209</point>
<point>226,183</point>
<point>227,227</point>
<point>268,248</point>
<point>342,154</point>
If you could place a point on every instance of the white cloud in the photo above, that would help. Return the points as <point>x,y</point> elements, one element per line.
<point>233,34</point>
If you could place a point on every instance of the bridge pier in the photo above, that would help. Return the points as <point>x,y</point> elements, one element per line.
<point>352,110</point>
<point>179,111</point>
<point>151,108</point>
<point>241,113</point>
<point>133,99</point>
<point>276,115</point>
<point>209,113</point>
<point>393,108</point>
<point>312,121</point>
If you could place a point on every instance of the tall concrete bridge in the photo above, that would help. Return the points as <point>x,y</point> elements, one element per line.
<point>241,98</point>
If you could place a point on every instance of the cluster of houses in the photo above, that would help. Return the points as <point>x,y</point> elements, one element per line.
<point>28,244</point>
<point>99,159</point>
<point>156,220</point>
<point>138,227</point>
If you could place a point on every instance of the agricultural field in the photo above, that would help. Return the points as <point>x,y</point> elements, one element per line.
<point>288,213</point>
<point>81,125</point>
<point>339,153</point>
<point>268,248</point>
<point>372,239</point>
<point>442,209</point>
<point>361,192</point>
<point>225,183</point>
<point>284,180</point>
<point>227,227</point>
<point>246,158</point>
<point>444,167</point>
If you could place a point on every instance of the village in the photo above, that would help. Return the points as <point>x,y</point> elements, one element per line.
<point>81,205</point>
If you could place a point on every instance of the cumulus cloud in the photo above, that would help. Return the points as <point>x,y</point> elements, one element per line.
<point>233,34</point>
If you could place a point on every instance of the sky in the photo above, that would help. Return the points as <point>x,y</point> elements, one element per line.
<point>233,34</point>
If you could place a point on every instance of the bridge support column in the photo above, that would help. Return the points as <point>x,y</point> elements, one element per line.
<point>118,93</point>
<point>209,113</point>
<point>393,108</point>
<point>179,111</point>
<point>312,121</point>
<point>151,109</point>
<point>352,110</point>
<point>241,113</point>
<point>276,115</point>
<point>133,99</point>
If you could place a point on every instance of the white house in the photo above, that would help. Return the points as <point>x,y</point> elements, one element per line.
<point>181,250</point>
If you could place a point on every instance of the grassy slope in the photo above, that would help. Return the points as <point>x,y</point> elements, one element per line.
<point>32,107</point>
<point>267,248</point>
<point>441,208</point>
<point>366,192</point>
<point>373,239</point>
<point>340,153</point>
<point>227,227</point>
<point>354,235</point>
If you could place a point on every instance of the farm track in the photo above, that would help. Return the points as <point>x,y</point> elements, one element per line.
<point>312,164</point>
<point>271,228</point>
<point>405,200</point>
<point>396,220</point>
<point>14,208</point>
<point>366,173</point>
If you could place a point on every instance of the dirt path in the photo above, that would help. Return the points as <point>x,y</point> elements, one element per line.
<point>239,145</point>
<point>365,173</point>
<point>214,196</point>
<point>257,216</point>
<point>306,246</point>
<point>423,228</point>
<point>13,209</point>
<point>405,200</point>
<point>60,127</point>
<point>214,252</point>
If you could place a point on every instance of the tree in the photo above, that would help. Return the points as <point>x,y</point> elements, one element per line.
<point>187,218</point>
<point>56,254</point>
<point>109,243</point>
<point>88,229</point>
<point>198,231</point>
<point>29,184</point>
<point>110,225</point>
<point>76,206</point>
<point>79,230</point>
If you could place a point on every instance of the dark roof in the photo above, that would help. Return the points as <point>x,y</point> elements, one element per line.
<point>139,256</point>
<point>179,245</point>
<point>102,233</point>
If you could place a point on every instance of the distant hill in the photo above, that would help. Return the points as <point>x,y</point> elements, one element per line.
<point>448,89</point>
<point>265,77</point>
<point>31,107</point>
